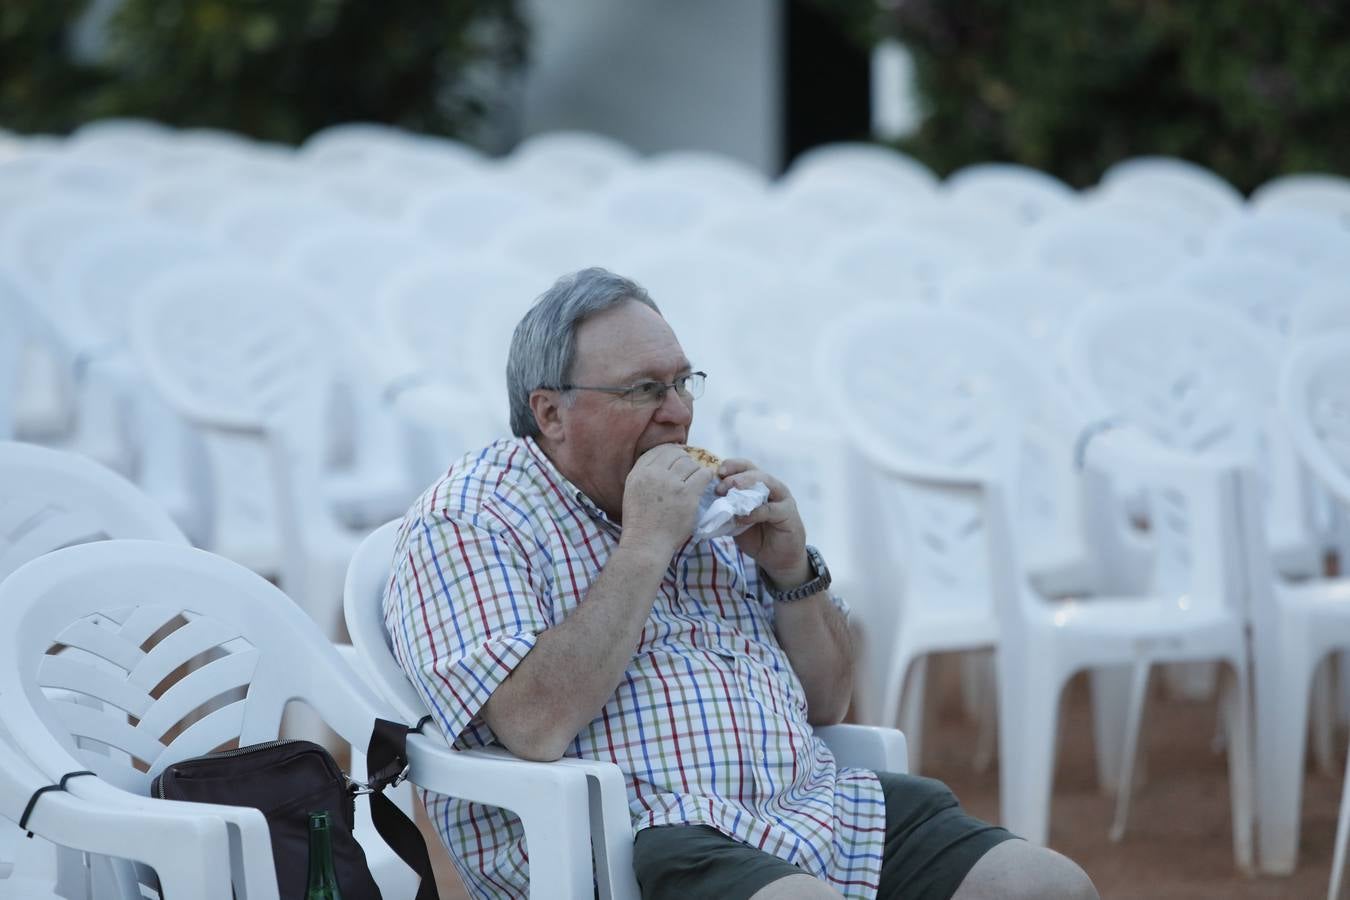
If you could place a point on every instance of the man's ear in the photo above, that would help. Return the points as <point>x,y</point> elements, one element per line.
<point>547,408</point>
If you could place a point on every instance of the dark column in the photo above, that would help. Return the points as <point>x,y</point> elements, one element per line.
<point>827,82</point>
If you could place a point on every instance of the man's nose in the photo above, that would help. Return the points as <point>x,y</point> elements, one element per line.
<point>676,408</point>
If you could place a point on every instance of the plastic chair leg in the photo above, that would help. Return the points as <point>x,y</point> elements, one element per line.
<point>1125,778</point>
<point>912,712</point>
<point>1028,726</point>
<point>1281,742</point>
<point>1110,703</point>
<point>1342,835</point>
<point>1323,713</point>
<point>1236,711</point>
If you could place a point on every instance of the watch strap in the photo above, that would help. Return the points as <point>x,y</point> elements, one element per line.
<point>812,587</point>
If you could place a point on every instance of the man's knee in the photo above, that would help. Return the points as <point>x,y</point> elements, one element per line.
<point>1014,870</point>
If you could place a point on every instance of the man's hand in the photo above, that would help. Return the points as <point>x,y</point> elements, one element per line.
<point>776,539</point>
<point>660,498</point>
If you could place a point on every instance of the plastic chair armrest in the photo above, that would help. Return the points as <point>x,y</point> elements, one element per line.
<point>190,850</point>
<point>551,800</point>
<point>867,747</point>
<point>250,841</point>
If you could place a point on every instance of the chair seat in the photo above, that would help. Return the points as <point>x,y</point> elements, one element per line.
<point>1142,621</point>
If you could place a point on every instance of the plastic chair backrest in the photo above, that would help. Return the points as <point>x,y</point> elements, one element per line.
<point>1315,401</point>
<point>1266,292</point>
<point>368,575</point>
<point>461,218</point>
<point>579,160</point>
<point>233,347</point>
<point>52,499</point>
<point>893,172</point>
<point>269,225</point>
<point>112,620</point>
<point>943,403</point>
<point>438,312</point>
<point>99,280</point>
<point>1028,305</point>
<point>893,265</point>
<point>350,263</point>
<point>1194,378</point>
<point>1176,182</point>
<point>1310,242</point>
<point>1030,195</point>
<point>709,173</point>
<point>1321,312</point>
<point>37,238</point>
<point>1103,253</point>
<point>1306,192</point>
<point>349,142</point>
<point>548,246</point>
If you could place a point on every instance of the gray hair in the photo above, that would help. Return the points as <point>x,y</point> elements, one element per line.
<point>544,343</point>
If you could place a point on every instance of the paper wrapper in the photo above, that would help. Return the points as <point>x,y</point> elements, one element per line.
<point>717,515</point>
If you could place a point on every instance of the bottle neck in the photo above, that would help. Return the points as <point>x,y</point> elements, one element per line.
<point>322,881</point>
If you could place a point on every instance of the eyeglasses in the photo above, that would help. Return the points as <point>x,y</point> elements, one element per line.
<point>649,393</point>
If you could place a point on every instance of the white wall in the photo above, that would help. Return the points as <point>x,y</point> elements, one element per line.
<point>660,74</point>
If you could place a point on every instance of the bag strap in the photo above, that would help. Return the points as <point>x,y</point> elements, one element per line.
<point>387,766</point>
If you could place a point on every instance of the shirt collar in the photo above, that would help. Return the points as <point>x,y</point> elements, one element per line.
<point>567,488</point>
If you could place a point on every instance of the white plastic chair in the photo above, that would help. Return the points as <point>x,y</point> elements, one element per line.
<point>1297,625</point>
<point>263,653</point>
<point>95,287</point>
<point>954,461</point>
<point>1197,380</point>
<point>1028,194</point>
<point>239,353</point>
<point>52,499</point>
<point>603,801</point>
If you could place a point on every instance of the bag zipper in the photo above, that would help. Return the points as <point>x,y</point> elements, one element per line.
<point>238,751</point>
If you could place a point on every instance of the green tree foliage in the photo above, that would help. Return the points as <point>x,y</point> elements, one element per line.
<point>40,87</point>
<point>1249,88</point>
<point>273,69</point>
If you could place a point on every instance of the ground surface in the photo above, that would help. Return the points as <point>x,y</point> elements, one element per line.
<point>1179,843</point>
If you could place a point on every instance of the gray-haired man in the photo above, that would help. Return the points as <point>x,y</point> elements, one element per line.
<point>547,597</point>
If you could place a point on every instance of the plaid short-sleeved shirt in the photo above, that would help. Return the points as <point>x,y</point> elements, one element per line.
<point>709,722</point>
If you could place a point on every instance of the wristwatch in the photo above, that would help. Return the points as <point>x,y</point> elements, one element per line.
<point>820,580</point>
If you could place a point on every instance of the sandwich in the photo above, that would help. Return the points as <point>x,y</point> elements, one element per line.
<point>704,458</point>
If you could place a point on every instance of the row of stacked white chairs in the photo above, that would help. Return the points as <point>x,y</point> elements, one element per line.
<point>282,346</point>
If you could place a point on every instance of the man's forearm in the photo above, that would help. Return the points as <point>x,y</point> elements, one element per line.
<point>816,638</point>
<point>574,667</point>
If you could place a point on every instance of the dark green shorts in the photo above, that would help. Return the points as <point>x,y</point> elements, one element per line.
<point>931,843</point>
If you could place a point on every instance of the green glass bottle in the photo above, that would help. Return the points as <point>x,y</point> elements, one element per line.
<point>323,883</point>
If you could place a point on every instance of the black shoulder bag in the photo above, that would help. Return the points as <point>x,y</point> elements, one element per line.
<point>289,779</point>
